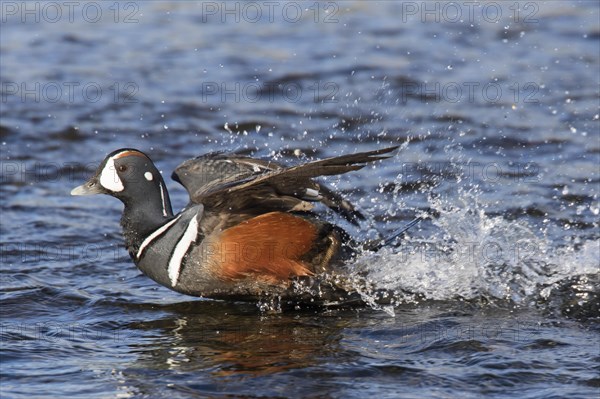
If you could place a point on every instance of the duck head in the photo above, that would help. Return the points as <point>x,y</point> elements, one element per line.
<point>130,175</point>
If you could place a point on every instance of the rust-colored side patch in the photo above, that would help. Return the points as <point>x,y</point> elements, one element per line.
<point>267,247</point>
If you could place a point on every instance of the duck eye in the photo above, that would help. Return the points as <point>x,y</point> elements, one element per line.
<point>122,168</point>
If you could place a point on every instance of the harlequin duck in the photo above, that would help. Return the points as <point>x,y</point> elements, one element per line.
<point>248,229</point>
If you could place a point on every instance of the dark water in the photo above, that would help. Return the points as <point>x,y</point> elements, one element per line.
<point>497,111</point>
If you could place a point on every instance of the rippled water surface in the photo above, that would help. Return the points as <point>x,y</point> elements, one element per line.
<point>497,114</point>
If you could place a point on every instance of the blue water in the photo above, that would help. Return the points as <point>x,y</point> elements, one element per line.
<point>497,115</point>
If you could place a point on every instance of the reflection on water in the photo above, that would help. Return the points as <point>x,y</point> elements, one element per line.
<point>210,336</point>
<point>206,347</point>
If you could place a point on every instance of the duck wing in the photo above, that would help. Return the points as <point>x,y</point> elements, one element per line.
<point>248,186</point>
<point>216,167</point>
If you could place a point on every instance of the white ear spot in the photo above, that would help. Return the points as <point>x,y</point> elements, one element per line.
<point>148,176</point>
<point>109,179</point>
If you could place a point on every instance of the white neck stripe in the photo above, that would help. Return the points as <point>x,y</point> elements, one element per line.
<point>155,234</point>
<point>191,232</point>
<point>162,197</point>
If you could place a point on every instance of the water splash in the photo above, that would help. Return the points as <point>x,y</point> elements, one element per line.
<point>472,255</point>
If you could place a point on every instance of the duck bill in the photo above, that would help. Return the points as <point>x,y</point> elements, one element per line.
<point>91,187</point>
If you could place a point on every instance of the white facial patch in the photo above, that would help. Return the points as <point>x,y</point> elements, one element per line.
<point>148,176</point>
<point>109,179</point>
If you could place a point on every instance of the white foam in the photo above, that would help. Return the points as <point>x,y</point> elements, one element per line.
<point>474,255</point>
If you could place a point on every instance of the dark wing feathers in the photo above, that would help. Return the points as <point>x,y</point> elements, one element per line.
<point>242,184</point>
<point>335,202</point>
<point>217,167</point>
<point>289,177</point>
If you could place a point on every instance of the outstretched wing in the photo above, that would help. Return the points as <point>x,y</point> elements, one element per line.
<point>295,180</point>
<point>250,186</point>
<point>216,167</point>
